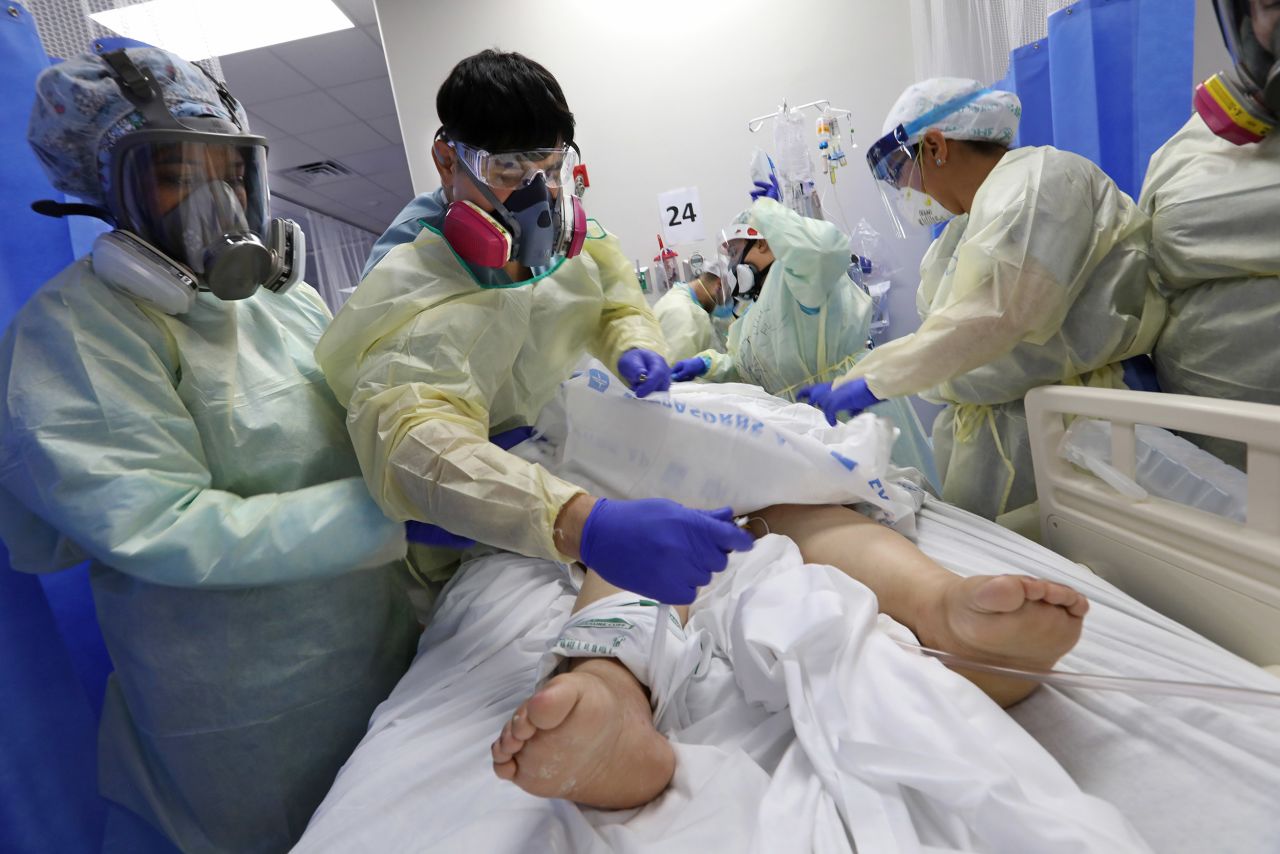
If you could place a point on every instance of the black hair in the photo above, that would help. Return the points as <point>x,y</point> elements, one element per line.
<point>503,102</point>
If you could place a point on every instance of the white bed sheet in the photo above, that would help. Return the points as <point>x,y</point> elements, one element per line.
<point>1190,775</point>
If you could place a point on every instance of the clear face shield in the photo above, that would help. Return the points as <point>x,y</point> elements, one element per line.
<point>896,167</point>
<point>202,199</point>
<point>738,278</point>
<point>718,286</point>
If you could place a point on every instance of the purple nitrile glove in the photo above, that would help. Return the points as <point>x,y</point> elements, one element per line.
<point>852,397</point>
<point>658,548</point>
<point>689,369</point>
<point>645,371</point>
<point>427,534</point>
<point>767,190</point>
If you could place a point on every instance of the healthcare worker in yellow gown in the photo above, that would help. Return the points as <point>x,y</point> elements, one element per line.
<point>1041,277</point>
<point>802,320</point>
<point>696,315</point>
<point>1213,193</point>
<point>249,590</point>
<point>464,334</point>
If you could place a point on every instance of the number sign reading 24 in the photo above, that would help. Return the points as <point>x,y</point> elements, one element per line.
<point>681,215</point>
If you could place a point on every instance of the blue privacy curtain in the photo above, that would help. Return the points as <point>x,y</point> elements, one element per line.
<point>53,664</point>
<point>1112,82</point>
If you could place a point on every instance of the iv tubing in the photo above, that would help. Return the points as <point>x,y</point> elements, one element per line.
<point>1101,682</point>
<point>659,639</point>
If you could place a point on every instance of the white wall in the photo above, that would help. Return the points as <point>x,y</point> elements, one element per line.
<point>1210,53</point>
<point>662,90</point>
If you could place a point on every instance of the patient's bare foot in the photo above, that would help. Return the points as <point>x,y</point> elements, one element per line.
<point>1009,620</point>
<point>587,736</point>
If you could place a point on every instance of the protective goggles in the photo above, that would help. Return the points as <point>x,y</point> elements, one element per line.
<point>511,170</point>
<point>186,191</point>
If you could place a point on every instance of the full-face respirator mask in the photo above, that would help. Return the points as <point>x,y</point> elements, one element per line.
<point>189,201</point>
<point>1241,105</point>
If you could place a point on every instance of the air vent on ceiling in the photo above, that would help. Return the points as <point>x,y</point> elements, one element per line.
<point>320,172</point>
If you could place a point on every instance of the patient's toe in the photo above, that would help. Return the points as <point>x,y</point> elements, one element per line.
<point>504,770</point>
<point>548,708</point>
<point>999,594</point>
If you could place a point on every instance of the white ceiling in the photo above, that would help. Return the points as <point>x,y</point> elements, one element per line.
<point>329,98</point>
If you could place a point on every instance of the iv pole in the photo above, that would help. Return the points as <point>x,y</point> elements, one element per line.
<point>822,105</point>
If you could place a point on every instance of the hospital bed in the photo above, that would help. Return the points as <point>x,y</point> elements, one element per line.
<point>1190,774</point>
<point>1217,577</point>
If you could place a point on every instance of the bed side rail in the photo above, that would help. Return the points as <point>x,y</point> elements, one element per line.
<point>1216,576</point>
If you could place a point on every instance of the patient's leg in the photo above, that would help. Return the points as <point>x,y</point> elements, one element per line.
<point>1010,620</point>
<point>587,735</point>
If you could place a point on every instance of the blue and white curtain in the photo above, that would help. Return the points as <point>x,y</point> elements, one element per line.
<point>1112,81</point>
<point>53,663</point>
<point>1108,79</point>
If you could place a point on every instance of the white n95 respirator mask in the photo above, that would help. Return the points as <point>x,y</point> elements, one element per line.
<point>917,206</point>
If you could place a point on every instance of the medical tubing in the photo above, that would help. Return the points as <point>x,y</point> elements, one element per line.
<point>659,645</point>
<point>1103,682</point>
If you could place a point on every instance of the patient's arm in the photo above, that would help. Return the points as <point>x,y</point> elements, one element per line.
<point>1007,620</point>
